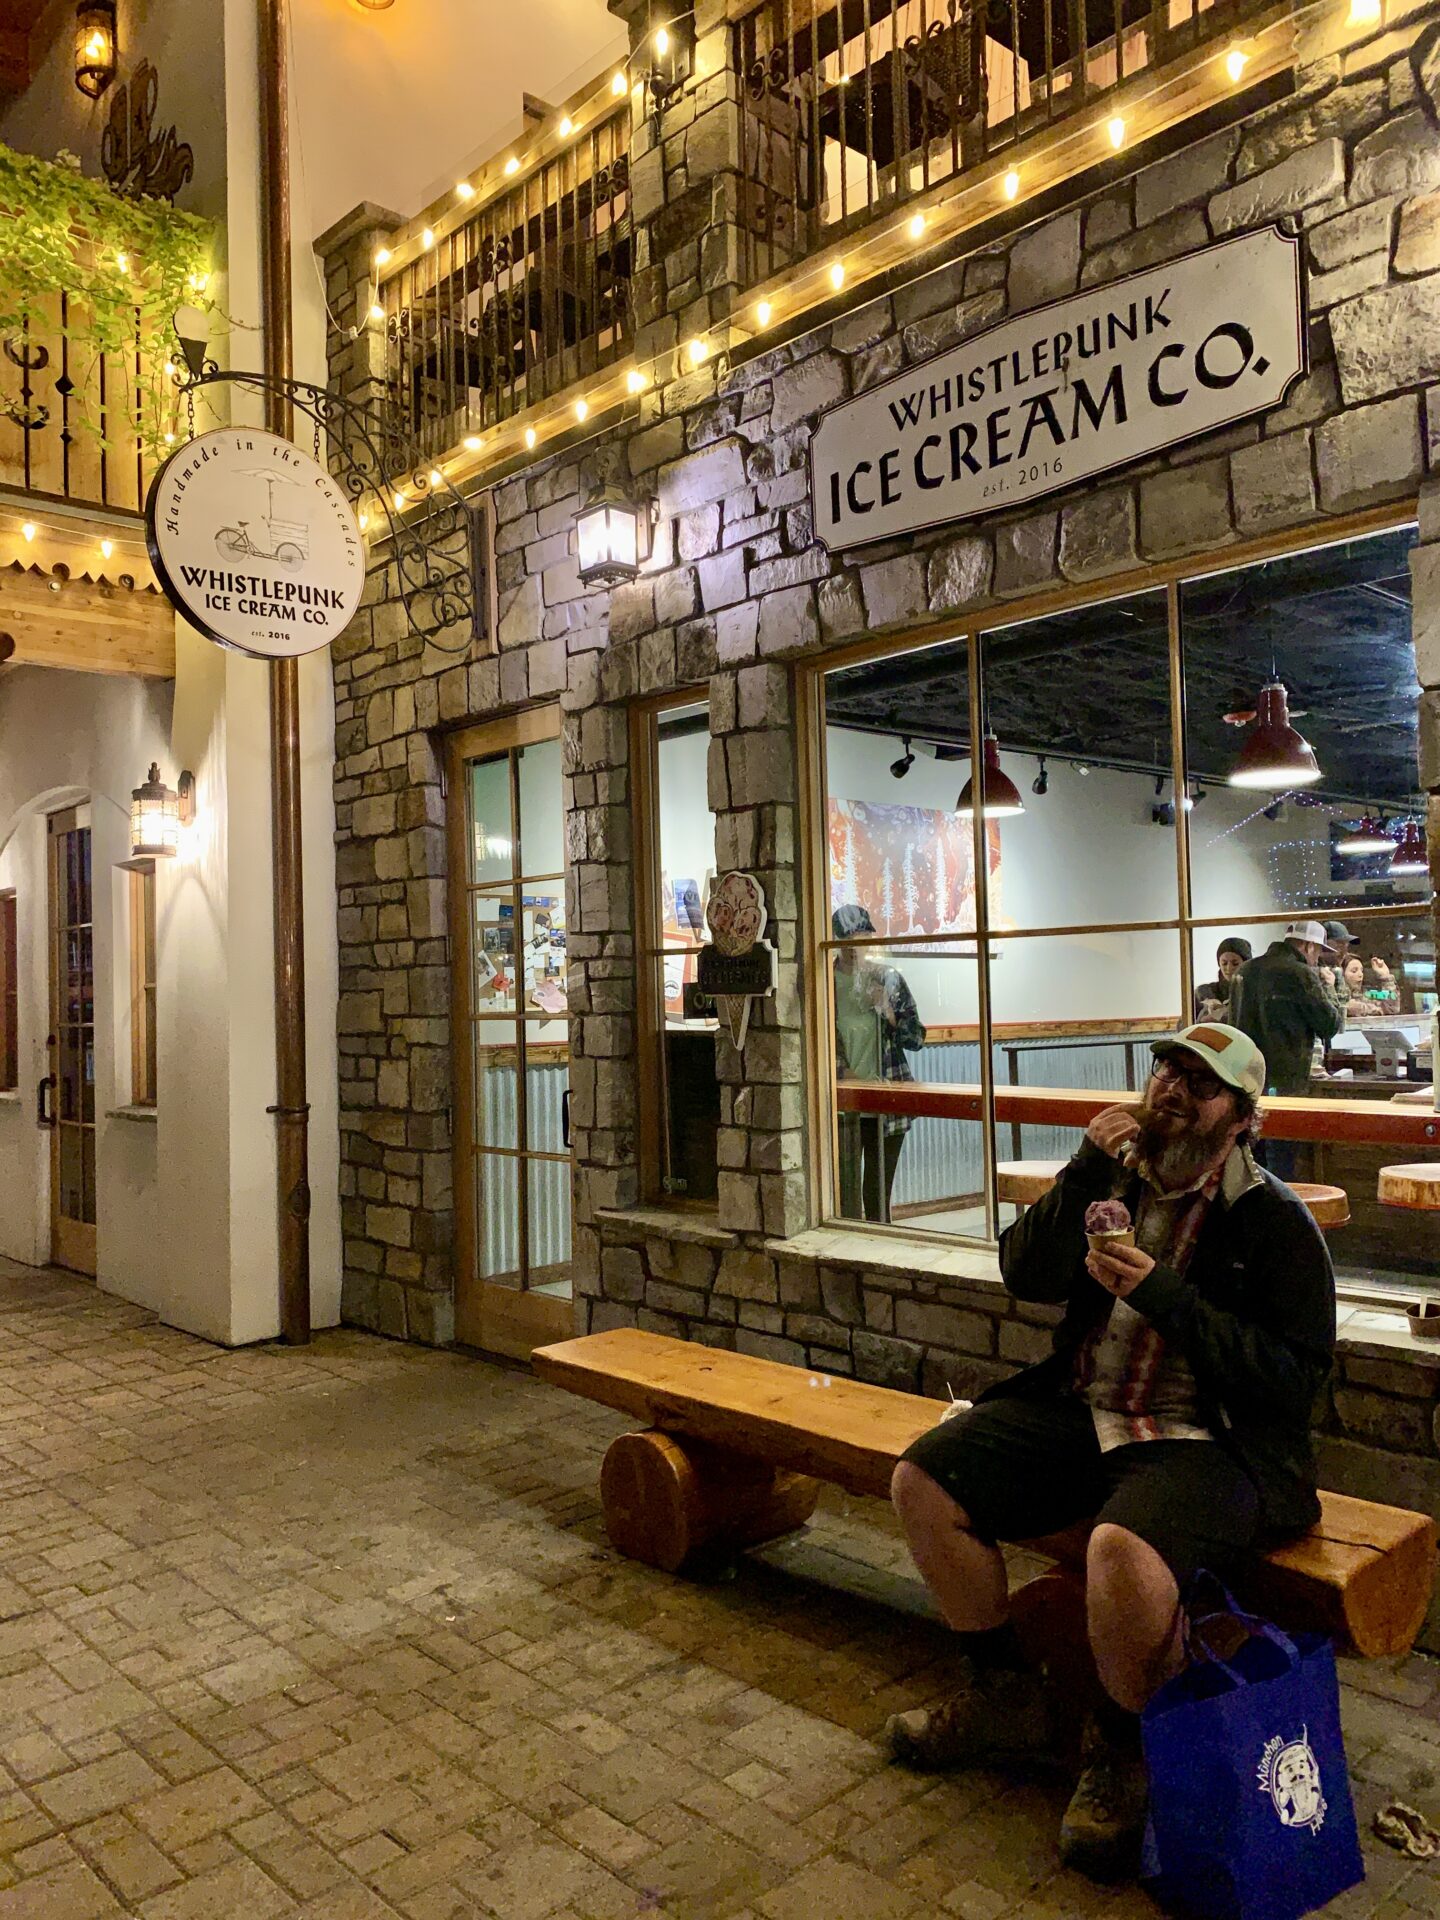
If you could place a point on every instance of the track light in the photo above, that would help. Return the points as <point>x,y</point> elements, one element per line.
<point>1041,783</point>
<point>903,765</point>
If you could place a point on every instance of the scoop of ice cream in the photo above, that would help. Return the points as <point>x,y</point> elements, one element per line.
<point>1107,1216</point>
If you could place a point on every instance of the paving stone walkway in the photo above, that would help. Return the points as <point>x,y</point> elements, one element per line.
<point>336,1633</point>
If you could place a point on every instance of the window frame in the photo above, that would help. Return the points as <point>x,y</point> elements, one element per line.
<point>9,991</point>
<point>144,987</point>
<point>970,629</point>
<point>650,1051</point>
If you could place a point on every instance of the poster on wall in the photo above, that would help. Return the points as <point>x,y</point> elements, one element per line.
<point>911,868</point>
<point>254,543</point>
<point>1071,390</point>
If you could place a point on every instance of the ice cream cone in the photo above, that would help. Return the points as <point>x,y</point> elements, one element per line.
<point>1117,1237</point>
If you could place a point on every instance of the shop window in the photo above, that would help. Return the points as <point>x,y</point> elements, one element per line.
<point>675,863</point>
<point>1158,776</point>
<point>143,1074</point>
<point>9,997</point>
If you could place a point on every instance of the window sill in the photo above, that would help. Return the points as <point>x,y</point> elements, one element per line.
<point>1376,1333</point>
<point>670,1223</point>
<point>891,1252</point>
<point>146,1115</point>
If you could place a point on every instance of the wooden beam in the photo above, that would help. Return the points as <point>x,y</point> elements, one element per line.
<point>85,626</point>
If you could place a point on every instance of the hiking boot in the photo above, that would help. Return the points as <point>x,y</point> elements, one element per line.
<point>1104,1823</point>
<point>996,1715</point>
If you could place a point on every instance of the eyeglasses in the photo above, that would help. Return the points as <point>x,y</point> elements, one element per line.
<point>1202,1084</point>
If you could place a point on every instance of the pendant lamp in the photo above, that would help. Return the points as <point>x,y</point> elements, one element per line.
<point>1366,837</point>
<point>1411,855</point>
<point>1001,795</point>
<point>1275,757</point>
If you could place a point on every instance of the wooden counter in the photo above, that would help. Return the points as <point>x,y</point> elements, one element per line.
<point>1287,1117</point>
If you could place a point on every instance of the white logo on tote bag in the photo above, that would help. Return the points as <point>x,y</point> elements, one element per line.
<point>1290,1774</point>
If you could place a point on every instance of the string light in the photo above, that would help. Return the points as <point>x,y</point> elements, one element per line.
<point>763,311</point>
<point>567,127</point>
<point>1011,184</point>
<point>916,226</point>
<point>617,85</point>
<point>837,275</point>
<point>698,352</point>
<point>28,530</point>
<point>107,547</point>
<point>635,381</point>
<point>197,282</point>
<point>1236,61</point>
<point>662,41</point>
<point>512,165</point>
<point>364,520</point>
<point>122,262</point>
<point>1364,13</point>
<point>169,439</point>
<point>383,256</point>
<point>464,189</point>
<point>437,479</point>
<point>582,409</point>
<point>377,312</point>
<point>529,436</point>
<point>399,500</point>
<point>1116,130</point>
<point>473,443</point>
<point>427,238</point>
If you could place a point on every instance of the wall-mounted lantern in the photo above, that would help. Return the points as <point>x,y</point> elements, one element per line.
<point>608,529</point>
<point>95,51</point>
<point>157,815</point>
<point>665,66</point>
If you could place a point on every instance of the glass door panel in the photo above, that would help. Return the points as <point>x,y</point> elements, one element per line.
<point>507,828</point>
<point>72,1043</point>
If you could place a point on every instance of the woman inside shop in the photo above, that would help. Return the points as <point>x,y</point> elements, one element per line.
<point>1212,1000</point>
<point>876,1024</point>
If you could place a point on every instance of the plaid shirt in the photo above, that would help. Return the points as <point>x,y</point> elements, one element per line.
<point>1137,1387</point>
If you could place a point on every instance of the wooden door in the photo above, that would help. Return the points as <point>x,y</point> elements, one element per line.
<point>71,1043</point>
<point>510,1034</point>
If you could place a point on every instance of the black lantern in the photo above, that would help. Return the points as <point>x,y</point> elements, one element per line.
<point>157,815</point>
<point>95,50</point>
<point>608,530</point>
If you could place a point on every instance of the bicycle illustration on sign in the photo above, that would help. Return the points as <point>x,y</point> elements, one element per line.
<point>287,541</point>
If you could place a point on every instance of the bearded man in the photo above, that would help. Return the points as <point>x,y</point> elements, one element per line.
<point>1174,1414</point>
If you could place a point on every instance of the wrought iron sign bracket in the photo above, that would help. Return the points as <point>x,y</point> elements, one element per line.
<point>434,548</point>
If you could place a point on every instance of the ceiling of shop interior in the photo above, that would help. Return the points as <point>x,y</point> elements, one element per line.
<point>395,106</point>
<point>1092,685</point>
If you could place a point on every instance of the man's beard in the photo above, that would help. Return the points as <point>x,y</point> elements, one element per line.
<point>1175,1149</point>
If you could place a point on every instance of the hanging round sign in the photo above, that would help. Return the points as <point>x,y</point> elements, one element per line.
<point>254,543</point>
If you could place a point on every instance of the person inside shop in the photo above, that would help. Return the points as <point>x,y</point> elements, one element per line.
<point>1281,1002</point>
<point>1352,978</point>
<point>1173,1414</point>
<point>876,1024</point>
<point>1213,998</point>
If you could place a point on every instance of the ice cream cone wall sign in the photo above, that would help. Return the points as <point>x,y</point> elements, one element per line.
<point>737,963</point>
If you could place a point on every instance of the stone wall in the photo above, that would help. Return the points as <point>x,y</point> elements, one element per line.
<point>737,590</point>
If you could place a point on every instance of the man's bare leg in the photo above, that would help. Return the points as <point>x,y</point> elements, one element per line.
<point>1133,1614</point>
<point>966,1577</point>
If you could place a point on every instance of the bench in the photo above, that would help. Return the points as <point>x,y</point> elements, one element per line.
<point>735,1449</point>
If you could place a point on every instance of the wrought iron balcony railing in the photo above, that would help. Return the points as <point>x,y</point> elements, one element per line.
<point>511,304</point>
<point>851,108</point>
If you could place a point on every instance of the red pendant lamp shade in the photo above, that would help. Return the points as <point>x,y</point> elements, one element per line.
<point>1002,796</point>
<point>1275,757</point>
<point>1410,851</point>
<point>1367,836</point>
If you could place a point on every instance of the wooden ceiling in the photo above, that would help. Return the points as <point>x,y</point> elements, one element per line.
<point>65,602</point>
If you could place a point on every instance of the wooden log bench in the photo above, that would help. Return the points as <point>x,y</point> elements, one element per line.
<point>735,1449</point>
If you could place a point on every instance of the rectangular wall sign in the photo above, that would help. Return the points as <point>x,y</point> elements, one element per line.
<point>1066,392</point>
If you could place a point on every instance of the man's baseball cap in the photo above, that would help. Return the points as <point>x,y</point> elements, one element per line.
<point>1340,935</point>
<point>1309,930</point>
<point>1231,1055</point>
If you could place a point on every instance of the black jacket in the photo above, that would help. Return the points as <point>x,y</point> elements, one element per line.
<point>1254,1314</point>
<point>1283,1006</point>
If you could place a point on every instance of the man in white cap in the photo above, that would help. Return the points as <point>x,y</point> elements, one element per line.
<point>1173,1414</point>
<point>1283,1004</point>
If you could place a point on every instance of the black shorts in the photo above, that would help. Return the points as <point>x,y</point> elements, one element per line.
<point>1025,1468</point>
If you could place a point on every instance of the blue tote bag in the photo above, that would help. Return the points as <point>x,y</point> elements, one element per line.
<point>1250,1809</point>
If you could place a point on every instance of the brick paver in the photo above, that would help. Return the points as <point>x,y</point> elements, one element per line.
<point>336,1633</point>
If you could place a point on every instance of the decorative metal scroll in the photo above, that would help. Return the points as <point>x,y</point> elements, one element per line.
<point>136,160</point>
<point>434,549</point>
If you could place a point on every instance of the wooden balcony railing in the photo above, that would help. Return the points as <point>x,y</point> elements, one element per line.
<point>852,108</point>
<point>77,423</point>
<point>518,300</point>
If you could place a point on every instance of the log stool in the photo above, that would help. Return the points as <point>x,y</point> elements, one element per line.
<point>1416,1187</point>
<point>1023,1182</point>
<point>1329,1206</point>
<point>666,1498</point>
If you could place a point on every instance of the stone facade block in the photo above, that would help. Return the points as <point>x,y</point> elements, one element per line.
<point>1313,173</point>
<point>1185,509</point>
<point>1369,454</point>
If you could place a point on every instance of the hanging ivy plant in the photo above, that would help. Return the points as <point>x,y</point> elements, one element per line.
<point>124,266</point>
